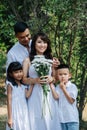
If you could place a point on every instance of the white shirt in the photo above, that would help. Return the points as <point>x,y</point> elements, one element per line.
<point>67,112</point>
<point>17,53</point>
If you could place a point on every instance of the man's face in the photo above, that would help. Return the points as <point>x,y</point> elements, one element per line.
<point>24,37</point>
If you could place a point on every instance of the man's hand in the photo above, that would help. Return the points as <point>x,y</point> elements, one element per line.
<point>56,62</point>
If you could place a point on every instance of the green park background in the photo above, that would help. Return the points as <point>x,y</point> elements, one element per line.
<point>65,22</point>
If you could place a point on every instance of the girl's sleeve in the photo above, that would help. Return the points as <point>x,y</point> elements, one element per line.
<point>7,84</point>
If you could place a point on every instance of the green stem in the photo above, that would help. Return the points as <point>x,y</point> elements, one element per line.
<point>43,106</point>
<point>48,107</point>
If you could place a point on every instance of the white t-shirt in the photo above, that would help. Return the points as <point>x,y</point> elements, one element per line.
<point>67,112</point>
<point>17,53</point>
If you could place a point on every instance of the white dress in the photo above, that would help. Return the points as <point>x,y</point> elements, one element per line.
<point>19,108</point>
<point>38,121</point>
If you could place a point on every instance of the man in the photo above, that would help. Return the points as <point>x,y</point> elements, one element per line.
<point>22,48</point>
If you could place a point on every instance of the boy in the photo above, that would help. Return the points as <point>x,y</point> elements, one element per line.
<point>66,93</point>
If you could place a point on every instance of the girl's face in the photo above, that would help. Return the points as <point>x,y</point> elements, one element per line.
<point>40,46</point>
<point>63,75</point>
<point>17,75</point>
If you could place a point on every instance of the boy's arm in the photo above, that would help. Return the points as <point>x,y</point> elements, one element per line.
<point>69,98</point>
<point>9,105</point>
<point>54,93</point>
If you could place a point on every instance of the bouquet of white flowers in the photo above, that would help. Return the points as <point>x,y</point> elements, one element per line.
<point>42,67</point>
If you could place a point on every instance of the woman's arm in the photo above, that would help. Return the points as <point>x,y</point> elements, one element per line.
<point>9,105</point>
<point>26,79</point>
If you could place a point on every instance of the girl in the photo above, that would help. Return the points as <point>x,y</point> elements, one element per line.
<point>41,50</point>
<point>16,100</point>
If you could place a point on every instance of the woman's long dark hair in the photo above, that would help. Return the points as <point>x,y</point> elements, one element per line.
<point>14,66</point>
<point>45,38</point>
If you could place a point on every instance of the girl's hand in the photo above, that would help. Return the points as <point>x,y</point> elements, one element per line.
<point>10,123</point>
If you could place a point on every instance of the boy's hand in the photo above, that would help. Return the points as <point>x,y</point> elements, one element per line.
<point>62,85</point>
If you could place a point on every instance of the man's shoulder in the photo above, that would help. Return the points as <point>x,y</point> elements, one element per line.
<point>14,47</point>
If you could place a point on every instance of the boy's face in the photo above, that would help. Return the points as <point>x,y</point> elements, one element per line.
<point>63,75</point>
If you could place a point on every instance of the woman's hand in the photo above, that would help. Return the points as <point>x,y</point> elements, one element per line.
<point>46,79</point>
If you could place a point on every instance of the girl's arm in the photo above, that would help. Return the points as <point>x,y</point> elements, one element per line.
<point>54,93</point>
<point>9,105</point>
<point>29,91</point>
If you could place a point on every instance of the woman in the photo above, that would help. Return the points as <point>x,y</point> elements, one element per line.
<point>41,105</point>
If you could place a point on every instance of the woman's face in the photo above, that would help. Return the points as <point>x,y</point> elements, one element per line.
<point>40,46</point>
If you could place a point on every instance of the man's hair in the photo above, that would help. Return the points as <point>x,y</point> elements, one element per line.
<point>20,27</point>
<point>62,66</point>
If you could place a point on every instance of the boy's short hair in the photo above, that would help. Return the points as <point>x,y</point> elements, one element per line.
<point>20,27</point>
<point>62,66</point>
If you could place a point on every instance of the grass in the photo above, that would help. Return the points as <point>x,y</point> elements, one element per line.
<point>2,115</point>
<point>83,125</point>
<point>2,122</point>
<point>2,105</point>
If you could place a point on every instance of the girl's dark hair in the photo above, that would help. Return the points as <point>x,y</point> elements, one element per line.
<point>20,27</point>
<point>14,66</point>
<point>45,38</point>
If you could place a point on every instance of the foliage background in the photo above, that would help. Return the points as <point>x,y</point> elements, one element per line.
<point>65,22</point>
